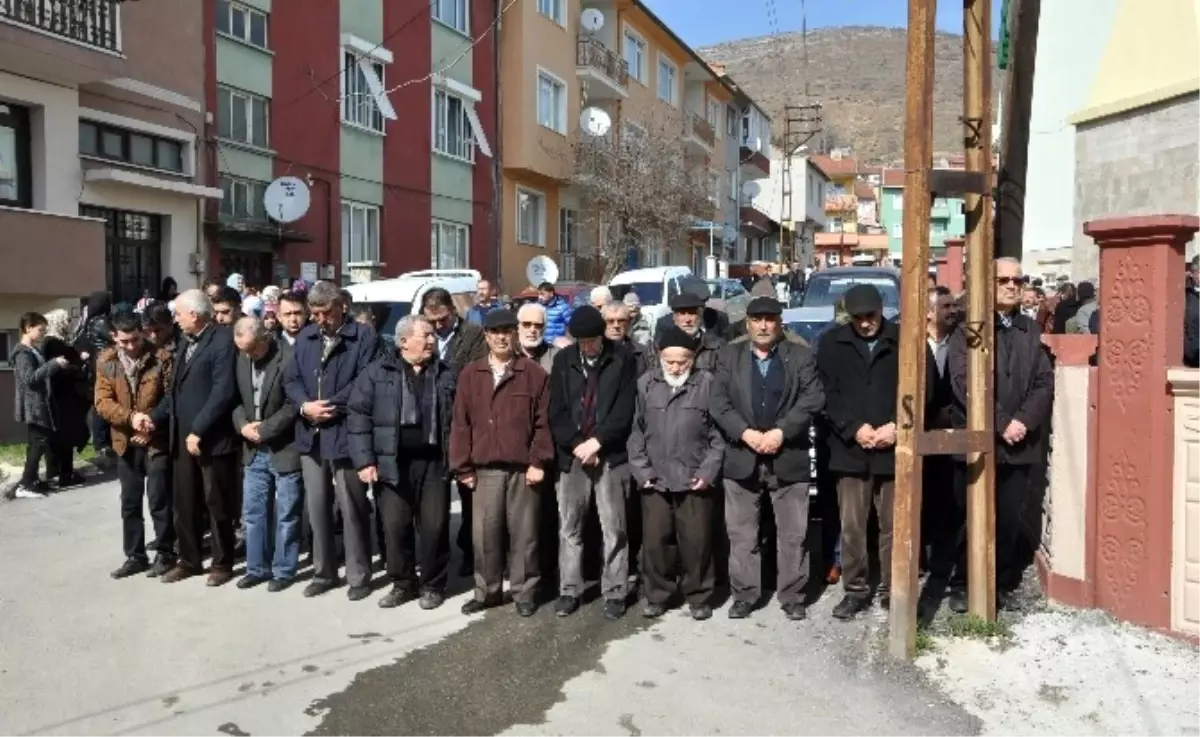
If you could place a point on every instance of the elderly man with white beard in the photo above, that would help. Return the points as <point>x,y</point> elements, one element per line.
<point>531,335</point>
<point>675,455</point>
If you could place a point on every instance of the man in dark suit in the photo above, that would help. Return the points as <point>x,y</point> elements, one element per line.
<point>267,422</point>
<point>458,343</point>
<point>765,396</point>
<point>203,443</point>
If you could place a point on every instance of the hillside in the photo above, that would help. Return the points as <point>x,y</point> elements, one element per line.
<point>857,74</point>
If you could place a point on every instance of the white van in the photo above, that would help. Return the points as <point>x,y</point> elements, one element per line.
<point>654,286</point>
<point>392,299</point>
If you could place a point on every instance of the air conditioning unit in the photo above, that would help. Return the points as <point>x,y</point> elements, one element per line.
<point>196,263</point>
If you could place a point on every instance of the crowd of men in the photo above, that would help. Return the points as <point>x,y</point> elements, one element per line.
<point>276,421</point>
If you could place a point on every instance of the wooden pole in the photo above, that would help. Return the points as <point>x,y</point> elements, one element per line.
<point>981,539</point>
<point>1014,142</point>
<point>910,410</point>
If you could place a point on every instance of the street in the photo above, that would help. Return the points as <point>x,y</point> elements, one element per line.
<point>82,653</point>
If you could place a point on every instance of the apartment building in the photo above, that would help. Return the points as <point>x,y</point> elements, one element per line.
<point>386,109</point>
<point>102,167</point>
<point>650,83</point>
<point>799,207</point>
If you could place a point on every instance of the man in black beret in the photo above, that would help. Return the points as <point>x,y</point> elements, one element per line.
<point>675,455</point>
<point>765,396</point>
<point>592,388</point>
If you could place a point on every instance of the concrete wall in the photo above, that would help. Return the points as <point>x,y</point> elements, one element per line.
<point>1145,161</point>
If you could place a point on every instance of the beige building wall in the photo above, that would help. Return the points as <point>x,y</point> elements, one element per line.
<point>1065,531</point>
<point>1185,562</point>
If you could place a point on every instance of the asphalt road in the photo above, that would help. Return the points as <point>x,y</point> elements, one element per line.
<point>81,653</point>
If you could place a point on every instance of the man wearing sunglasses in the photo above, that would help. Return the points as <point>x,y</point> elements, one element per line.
<point>1023,396</point>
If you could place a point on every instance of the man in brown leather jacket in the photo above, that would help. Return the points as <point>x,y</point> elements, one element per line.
<point>132,377</point>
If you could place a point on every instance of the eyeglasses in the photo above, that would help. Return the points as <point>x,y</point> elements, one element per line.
<point>616,321</point>
<point>530,325</point>
<point>1005,281</point>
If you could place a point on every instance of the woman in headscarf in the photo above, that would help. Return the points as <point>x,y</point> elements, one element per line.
<point>70,397</point>
<point>91,339</point>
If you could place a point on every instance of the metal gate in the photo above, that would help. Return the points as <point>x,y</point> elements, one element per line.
<point>132,252</point>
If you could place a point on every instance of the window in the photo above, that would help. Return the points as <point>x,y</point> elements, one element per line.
<point>731,122</point>
<point>568,243</point>
<point>242,22</point>
<point>635,55</point>
<point>130,147</point>
<point>714,186</point>
<point>451,127</point>
<point>364,99</point>
<point>15,173</point>
<point>552,9</point>
<point>732,176</point>
<point>531,218</point>
<point>360,234</point>
<point>449,249</point>
<point>242,116</point>
<point>8,343</point>
<point>898,201</point>
<point>243,199</point>
<point>714,114</point>
<point>452,13</point>
<point>898,230</point>
<point>666,81</point>
<point>551,102</point>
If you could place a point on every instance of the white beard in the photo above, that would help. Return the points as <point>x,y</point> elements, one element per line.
<point>530,345</point>
<point>675,382</point>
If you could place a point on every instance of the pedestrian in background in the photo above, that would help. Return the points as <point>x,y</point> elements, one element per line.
<point>558,311</point>
<point>639,328</point>
<point>72,401</point>
<point>93,337</point>
<point>485,301</point>
<point>33,401</point>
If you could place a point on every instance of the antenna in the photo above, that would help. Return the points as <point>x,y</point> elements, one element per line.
<point>595,121</point>
<point>286,199</point>
<point>591,20</point>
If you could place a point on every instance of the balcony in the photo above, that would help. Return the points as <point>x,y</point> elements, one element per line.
<point>49,254</point>
<point>755,164</point>
<point>698,134</point>
<point>754,221</point>
<point>604,72</point>
<point>940,210</point>
<point>71,42</point>
<point>841,203</point>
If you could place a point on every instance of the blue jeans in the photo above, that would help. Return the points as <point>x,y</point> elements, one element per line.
<point>288,496</point>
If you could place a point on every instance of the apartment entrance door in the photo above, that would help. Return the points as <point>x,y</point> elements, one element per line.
<point>132,252</point>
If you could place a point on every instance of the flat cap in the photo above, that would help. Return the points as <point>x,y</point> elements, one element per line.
<point>863,299</point>
<point>500,320</point>
<point>586,322</point>
<point>686,301</point>
<point>764,306</point>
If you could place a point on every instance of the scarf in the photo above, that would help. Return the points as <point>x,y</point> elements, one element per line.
<point>421,410</point>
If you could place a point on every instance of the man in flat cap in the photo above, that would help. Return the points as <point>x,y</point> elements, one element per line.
<point>859,365</point>
<point>687,314</point>
<point>765,396</point>
<point>592,388</point>
<point>675,455</point>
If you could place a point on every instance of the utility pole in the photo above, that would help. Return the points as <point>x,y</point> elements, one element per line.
<point>1023,21</point>
<point>800,124</point>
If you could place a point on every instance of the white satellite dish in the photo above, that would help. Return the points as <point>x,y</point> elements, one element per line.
<point>595,121</point>
<point>591,20</point>
<point>541,269</point>
<point>751,188</point>
<point>286,199</point>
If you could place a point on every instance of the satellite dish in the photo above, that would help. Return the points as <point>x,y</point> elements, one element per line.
<point>286,199</point>
<point>595,121</point>
<point>541,269</point>
<point>591,20</point>
<point>751,188</point>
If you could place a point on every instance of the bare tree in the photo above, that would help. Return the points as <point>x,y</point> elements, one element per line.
<point>637,190</point>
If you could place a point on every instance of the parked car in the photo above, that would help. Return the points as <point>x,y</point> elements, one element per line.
<point>655,286</point>
<point>730,296</point>
<point>816,311</point>
<point>392,299</point>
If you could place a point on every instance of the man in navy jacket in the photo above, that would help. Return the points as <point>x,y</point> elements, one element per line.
<point>330,353</point>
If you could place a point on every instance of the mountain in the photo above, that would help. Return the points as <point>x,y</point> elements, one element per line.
<point>857,74</point>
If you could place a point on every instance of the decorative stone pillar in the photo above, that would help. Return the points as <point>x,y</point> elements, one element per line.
<point>950,271</point>
<point>1141,335</point>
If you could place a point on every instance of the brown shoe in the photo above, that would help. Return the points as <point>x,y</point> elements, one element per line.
<point>178,573</point>
<point>218,577</point>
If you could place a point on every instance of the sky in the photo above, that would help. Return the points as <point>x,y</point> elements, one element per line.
<point>707,22</point>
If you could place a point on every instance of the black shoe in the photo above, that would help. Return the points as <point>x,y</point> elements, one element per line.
<point>957,601</point>
<point>70,481</point>
<point>525,608</point>
<point>740,609</point>
<point>1007,602</point>
<point>614,608</point>
<point>248,581</point>
<point>431,599</point>
<point>131,567</point>
<point>795,611</point>
<point>700,612</point>
<point>399,594</point>
<point>653,611</point>
<point>849,606</point>
<point>316,588</point>
<point>276,585</point>
<point>475,606</point>
<point>162,564</point>
<point>566,605</point>
<point>358,593</point>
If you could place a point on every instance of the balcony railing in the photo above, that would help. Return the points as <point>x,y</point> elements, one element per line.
<point>94,23</point>
<point>592,54</point>
<point>841,203</point>
<point>697,126</point>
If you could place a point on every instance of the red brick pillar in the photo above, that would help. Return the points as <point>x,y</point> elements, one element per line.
<point>1141,308</point>
<point>950,271</point>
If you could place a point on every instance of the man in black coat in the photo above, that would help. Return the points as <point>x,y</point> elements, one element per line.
<point>1191,316</point>
<point>203,443</point>
<point>765,396</point>
<point>593,387</point>
<point>859,364</point>
<point>1024,397</point>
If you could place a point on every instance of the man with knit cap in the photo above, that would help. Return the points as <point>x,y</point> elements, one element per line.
<point>675,454</point>
<point>592,389</point>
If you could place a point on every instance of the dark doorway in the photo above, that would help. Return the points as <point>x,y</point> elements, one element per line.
<point>255,266</point>
<point>132,252</point>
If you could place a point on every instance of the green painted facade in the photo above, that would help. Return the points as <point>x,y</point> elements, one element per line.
<point>946,219</point>
<point>362,150</point>
<point>451,178</point>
